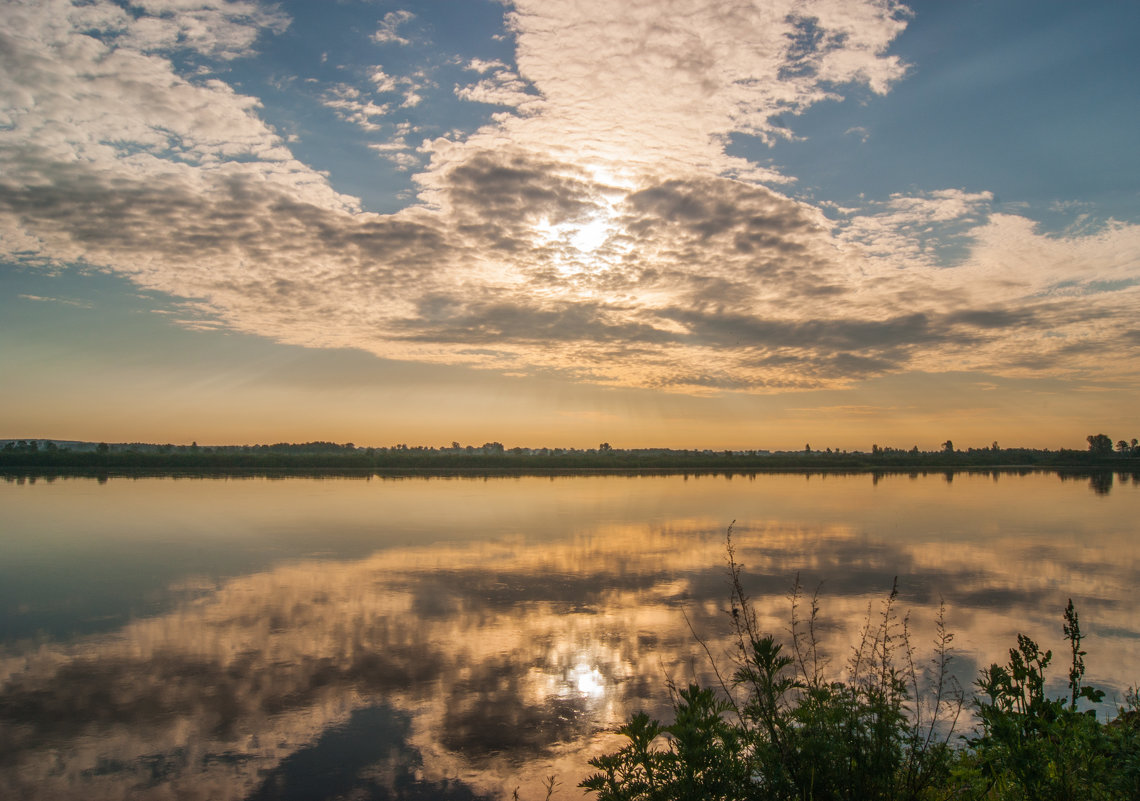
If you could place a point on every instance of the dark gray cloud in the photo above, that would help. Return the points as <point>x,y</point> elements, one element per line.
<point>449,319</point>
<point>712,207</point>
<point>517,187</point>
<point>993,318</point>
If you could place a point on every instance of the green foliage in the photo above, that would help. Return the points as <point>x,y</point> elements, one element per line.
<point>1030,746</point>
<point>703,756</point>
<point>780,729</point>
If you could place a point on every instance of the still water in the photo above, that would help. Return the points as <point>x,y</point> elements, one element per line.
<point>458,638</point>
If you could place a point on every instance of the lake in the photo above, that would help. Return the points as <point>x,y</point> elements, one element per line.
<point>460,637</point>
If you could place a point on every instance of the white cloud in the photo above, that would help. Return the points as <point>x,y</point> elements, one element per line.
<point>216,28</point>
<point>383,81</point>
<point>346,102</point>
<point>410,85</point>
<point>503,88</point>
<point>40,299</point>
<point>482,66</point>
<point>387,32</point>
<point>909,230</point>
<point>398,152</point>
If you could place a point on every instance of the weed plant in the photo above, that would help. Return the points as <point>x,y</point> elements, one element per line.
<point>780,728</point>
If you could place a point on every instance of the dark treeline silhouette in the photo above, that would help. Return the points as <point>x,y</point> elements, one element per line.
<point>1102,454</point>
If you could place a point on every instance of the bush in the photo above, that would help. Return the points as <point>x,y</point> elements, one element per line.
<point>779,729</point>
<point>1029,746</point>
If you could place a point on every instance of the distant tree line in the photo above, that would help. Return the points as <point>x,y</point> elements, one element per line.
<point>1102,453</point>
<point>1102,444</point>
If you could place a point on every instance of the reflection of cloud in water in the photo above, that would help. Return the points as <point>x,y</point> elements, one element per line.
<point>473,668</point>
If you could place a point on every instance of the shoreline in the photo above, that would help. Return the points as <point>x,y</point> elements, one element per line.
<point>21,471</point>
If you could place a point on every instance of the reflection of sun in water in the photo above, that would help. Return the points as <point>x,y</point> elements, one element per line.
<point>585,673</point>
<point>587,680</point>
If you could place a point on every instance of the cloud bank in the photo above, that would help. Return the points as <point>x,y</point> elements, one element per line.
<point>595,229</point>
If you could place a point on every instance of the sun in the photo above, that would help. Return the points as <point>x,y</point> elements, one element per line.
<point>592,235</point>
<point>593,239</point>
<point>578,241</point>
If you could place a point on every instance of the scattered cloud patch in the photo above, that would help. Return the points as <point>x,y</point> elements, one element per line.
<point>398,153</point>
<point>383,81</point>
<point>214,28</point>
<point>82,304</point>
<point>482,66</point>
<point>387,32</point>
<point>347,103</point>
<point>503,88</point>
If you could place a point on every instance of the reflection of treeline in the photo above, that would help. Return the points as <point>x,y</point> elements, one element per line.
<point>494,456</point>
<point>783,725</point>
<point>1100,481</point>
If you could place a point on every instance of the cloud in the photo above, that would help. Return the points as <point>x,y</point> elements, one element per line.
<point>481,65</point>
<point>216,28</point>
<point>397,151</point>
<point>503,88</point>
<point>595,228</point>
<point>39,298</point>
<point>70,97</point>
<point>346,102</point>
<point>681,81</point>
<point>387,32</point>
<point>383,81</point>
<point>913,230</point>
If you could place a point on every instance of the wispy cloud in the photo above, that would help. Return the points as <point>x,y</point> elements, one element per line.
<point>348,104</point>
<point>387,32</point>
<point>502,88</point>
<point>82,304</point>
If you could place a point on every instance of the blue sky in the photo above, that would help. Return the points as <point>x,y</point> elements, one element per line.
<point>1026,100</point>
<point>728,224</point>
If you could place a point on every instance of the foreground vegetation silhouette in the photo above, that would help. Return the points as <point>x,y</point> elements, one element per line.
<point>779,727</point>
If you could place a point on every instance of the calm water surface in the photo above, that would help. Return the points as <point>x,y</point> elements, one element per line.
<point>457,638</point>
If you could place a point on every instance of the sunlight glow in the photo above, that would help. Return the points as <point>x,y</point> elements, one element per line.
<point>591,236</point>
<point>588,680</point>
<point>582,237</point>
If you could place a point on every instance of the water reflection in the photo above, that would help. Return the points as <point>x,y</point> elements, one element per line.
<point>464,668</point>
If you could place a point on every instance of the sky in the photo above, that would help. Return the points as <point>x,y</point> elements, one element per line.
<point>672,223</point>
